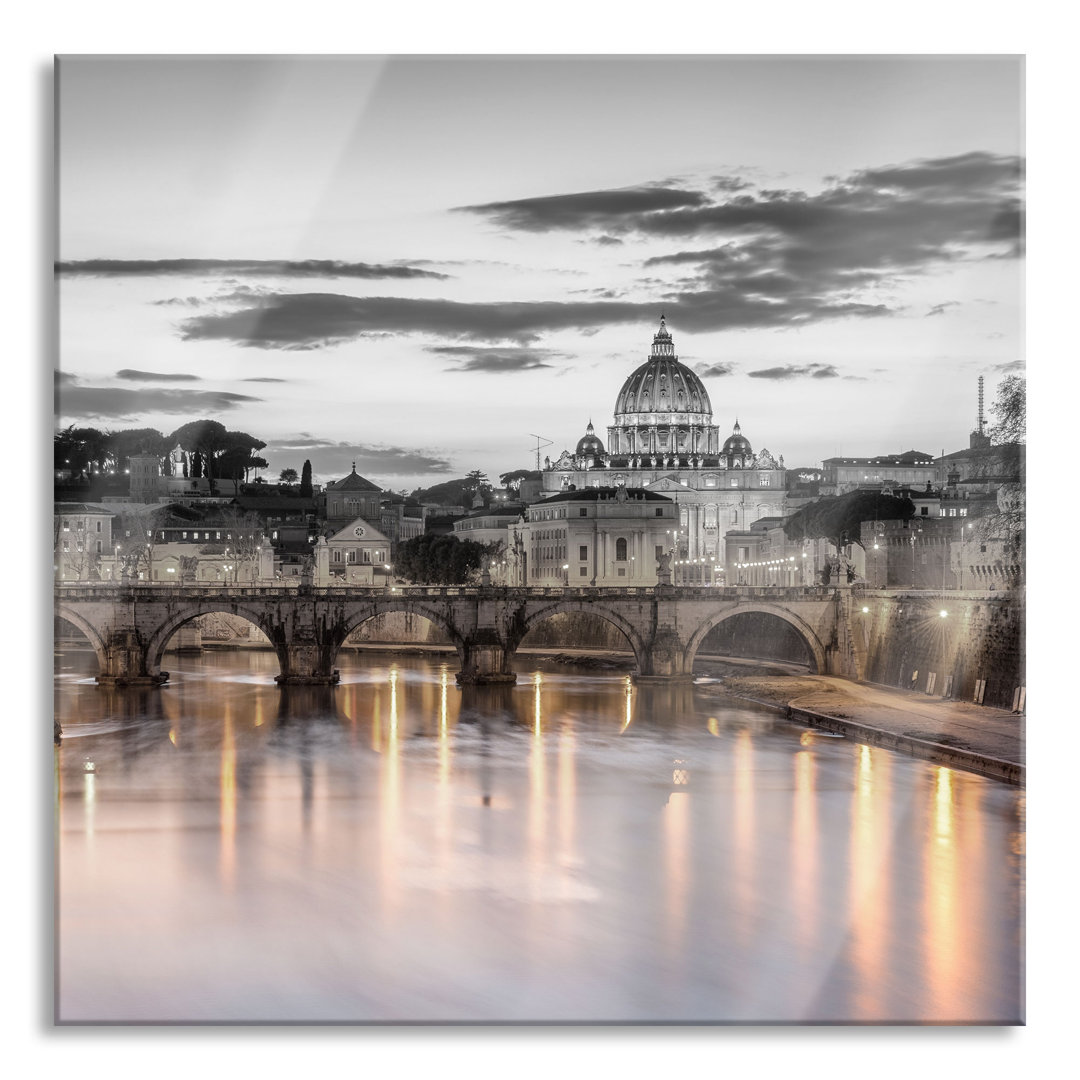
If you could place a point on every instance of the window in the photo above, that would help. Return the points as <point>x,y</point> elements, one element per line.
<point>622,571</point>
<point>620,550</point>
<point>659,551</point>
<point>217,535</point>
<point>583,511</point>
<point>583,571</point>
<point>734,482</point>
<point>659,511</point>
<point>763,480</point>
<point>925,511</point>
<point>66,544</point>
<point>337,555</point>
<point>952,511</point>
<point>583,552</point>
<point>99,526</point>
<point>183,534</point>
<point>963,511</point>
<point>99,547</point>
<point>367,555</point>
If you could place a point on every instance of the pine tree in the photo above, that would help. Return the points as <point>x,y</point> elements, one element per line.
<point>305,481</point>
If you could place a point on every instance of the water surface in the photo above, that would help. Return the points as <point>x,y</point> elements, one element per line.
<point>573,848</point>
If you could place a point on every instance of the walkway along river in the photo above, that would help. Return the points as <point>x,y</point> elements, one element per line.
<point>571,848</point>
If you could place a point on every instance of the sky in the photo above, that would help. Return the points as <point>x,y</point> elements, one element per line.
<point>421,264</point>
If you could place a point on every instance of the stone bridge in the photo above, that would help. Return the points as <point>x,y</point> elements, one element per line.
<point>129,626</point>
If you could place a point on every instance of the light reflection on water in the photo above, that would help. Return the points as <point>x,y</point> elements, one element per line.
<point>574,847</point>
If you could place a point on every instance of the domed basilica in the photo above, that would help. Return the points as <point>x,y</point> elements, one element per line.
<point>663,439</point>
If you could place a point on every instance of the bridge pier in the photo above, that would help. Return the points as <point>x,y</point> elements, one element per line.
<point>125,663</point>
<point>664,660</point>
<point>486,659</point>
<point>305,664</point>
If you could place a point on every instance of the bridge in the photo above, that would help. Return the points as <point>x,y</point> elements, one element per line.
<point>130,625</point>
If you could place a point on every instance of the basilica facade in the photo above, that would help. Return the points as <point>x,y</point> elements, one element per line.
<point>663,440</point>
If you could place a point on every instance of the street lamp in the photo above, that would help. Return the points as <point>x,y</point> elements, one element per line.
<point>566,574</point>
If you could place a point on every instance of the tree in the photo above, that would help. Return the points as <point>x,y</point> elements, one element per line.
<point>306,490</point>
<point>243,539</point>
<point>240,455</point>
<point>512,480</point>
<point>439,560</point>
<point>1010,408</point>
<point>208,438</point>
<point>288,477</point>
<point>837,518</point>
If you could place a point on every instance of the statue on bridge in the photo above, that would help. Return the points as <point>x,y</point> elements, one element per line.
<point>663,569</point>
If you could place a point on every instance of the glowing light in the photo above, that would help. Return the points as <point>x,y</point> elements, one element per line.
<point>865,610</point>
<point>943,613</point>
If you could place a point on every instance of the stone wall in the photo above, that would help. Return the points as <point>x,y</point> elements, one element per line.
<point>910,644</point>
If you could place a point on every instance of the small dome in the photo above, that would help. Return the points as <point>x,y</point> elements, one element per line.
<point>737,445</point>
<point>589,445</point>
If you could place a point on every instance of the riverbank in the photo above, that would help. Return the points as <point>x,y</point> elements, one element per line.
<point>959,734</point>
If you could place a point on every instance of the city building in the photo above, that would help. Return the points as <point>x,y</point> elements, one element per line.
<point>912,469</point>
<point>82,541</point>
<point>663,440</point>
<point>356,554</point>
<point>492,526</point>
<point>351,497</point>
<point>594,536</point>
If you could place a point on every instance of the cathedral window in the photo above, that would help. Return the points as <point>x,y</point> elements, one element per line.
<point>620,549</point>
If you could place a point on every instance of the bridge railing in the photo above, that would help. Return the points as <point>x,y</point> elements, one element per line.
<point>165,591</point>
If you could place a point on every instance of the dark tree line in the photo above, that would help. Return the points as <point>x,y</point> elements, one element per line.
<point>439,560</point>
<point>837,518</point>
<point>212,450</point>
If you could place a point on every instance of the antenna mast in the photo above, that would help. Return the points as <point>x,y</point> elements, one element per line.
<point>541,442</point>
<point>982,422</point>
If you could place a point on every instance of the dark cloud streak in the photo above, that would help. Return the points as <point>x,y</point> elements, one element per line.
<point>322,268</point>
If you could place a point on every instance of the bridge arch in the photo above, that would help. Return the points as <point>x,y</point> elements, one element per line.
<point>93,635</point>
<point>531,617</point>
<point>359,614</point>
<point>159,638</point>
<point>801,627</point>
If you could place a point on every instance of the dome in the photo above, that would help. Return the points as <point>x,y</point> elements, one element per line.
<point>737,443</point>
<point>589,445</point>
<point>737,449</point>
<point>663,385</point>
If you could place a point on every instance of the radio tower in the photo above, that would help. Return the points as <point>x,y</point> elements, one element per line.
<point>979,438</point>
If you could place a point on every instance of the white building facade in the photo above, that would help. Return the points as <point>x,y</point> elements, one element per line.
<point>663,440</point>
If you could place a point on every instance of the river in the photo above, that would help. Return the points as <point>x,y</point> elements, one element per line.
<point>575,848</point>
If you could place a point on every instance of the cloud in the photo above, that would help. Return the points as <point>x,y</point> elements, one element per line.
<point>586,209</point>
<point>112,403</point>
<point>316,320</point>
<point>939,309</point>
<point>335,459</point>
<point>794,371</point>
<point>263,378</point>
<point>1009,367</point>
<point>321,268</point>
<point>133,375</point>
<point>723,367</point>
<point>499,361</point>
<point>807,255</point>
